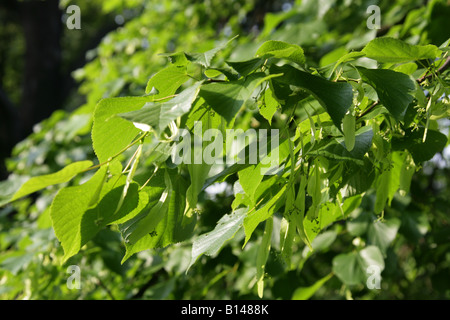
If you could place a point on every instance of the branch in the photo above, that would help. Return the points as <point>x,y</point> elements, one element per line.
<point>444,67</point>
<point>368,109</point>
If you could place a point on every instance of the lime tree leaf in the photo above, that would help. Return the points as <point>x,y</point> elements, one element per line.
<point>167,81</point>
<point>382,233</point>
<point>110,133</point>
<point>247,66</point>
<point>178,59</point>
<point>227,98</point>
<point>263,254</point>
<point>346,268</point>
<point>329,212</point>
<point>210,243</point>
<point>338,149</point>
<point>351,268</point>
<point>253,219</point>
<point>67,210</point>
<point>41,182</point>
<point>390,50</point>
<point>159,115</point>
<point>420,151</point>
<point>304,293</point>
<point>250,178</point>
<point>281,50</point>
<point>346,58</point>
<point>414,225</point>
<point>270,106</point>
<point>16,261</point>
<point>9,187</point>
<point>171,228</point>
<point>394,89</point>
<point>348,128</point>
<point>335,97</point>
<point>104,212</point>
<point>205,58</point>
<point>148,223</point>
<point>370,256</point>
<point>200,121</point>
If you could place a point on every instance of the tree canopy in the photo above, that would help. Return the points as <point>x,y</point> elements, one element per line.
<point>349,195</point>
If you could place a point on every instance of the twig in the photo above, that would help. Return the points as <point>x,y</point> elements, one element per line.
<point>440,70</point>
<point>368,109</point>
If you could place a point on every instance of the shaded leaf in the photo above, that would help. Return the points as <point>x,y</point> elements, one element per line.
<point>41,182</point>
<point>210,243</point>
<point>394,89</point>
<point>335,97</point>
<point>388,49</point>
<point>159,115</point>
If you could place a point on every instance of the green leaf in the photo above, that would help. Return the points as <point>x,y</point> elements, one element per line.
<point>346,58</point>
<point>210,243</point>
<point>173,227</point>
<point>314,188</point>
<point>16,261</point>
<point>414,225</point>
<point>281,50</point>
<point>382,192</point>
<point>148,223</point>
<point>159,115</point>
<point>250,178</point>
<point>253,219</point>
<point>420,151</point>
<point>338,149</point>
<point>394,89</point>
<point>9,187</point>
<point>304,293</point>
<point>110,133</point>
<point>335,97</point>
<point>178,59</point>
<point>263,254</point>
<point>205,58</point>
<point>351,268</point>
<point>167,81</point>
<point>41,182</point>
<point>247,66</point>
<point>348,128</point>
<point>390,50</point>
<point>270,106</point>
<point>67,210</point>
<point>198,169</point>
<point>382,233</point>
<point>227,98</point>
<point>347,269</point>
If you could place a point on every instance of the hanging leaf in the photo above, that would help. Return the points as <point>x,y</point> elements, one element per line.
<point>159,115</point>
<point>227,98</point>
<point>394,89</point>
<point>390,50</point>
<point>67,211</point>
<point>41,182</point>
<point>210,243</point>
<point>281,50</point>
<point>351,268</point>
<point>335,97</point>
<point>110,133</point>
<point>263,254</point>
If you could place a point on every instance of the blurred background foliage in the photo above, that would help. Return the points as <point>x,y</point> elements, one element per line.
<point>114,54</point>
